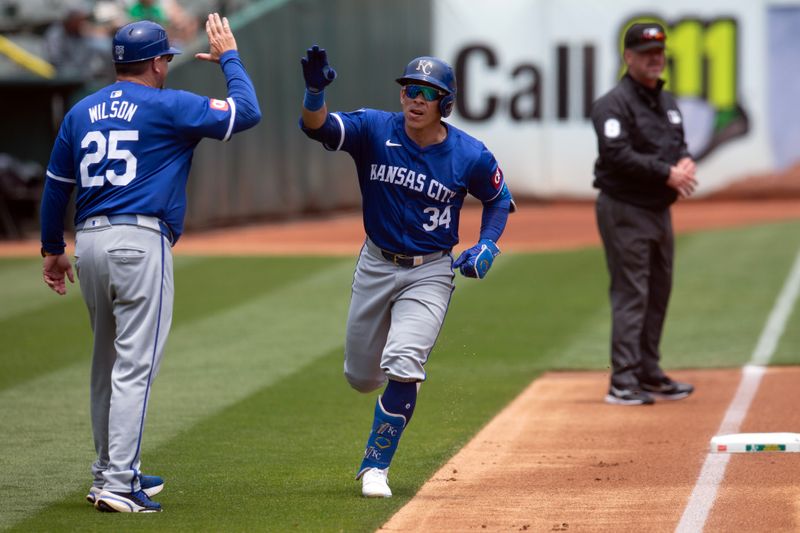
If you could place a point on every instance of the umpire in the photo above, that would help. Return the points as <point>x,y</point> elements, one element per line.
<point>642,168</point>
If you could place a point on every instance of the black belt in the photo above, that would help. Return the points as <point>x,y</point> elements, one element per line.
<point>410,261</point>
<point>403,260</point>
<point>147,222</point>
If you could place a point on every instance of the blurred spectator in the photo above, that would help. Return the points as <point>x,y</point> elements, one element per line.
<point>148,10</point>
<point>75,50</point>
<point>20,192</point>
<point>110,15</point>
<point>181,25</point>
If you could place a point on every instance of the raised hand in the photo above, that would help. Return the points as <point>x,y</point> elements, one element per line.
<point>316,71</point>
<point>220,38</point>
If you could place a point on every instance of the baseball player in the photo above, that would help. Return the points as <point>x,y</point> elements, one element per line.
<point>127,150</point>
<point>414,172</point>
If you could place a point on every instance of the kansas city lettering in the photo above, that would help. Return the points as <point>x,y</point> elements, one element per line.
<point>117,109</point>
<point>398,175</point>
<point>439,192</point>
<point>410,179</point>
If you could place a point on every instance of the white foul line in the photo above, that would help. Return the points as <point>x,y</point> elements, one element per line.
<point>705,490</point>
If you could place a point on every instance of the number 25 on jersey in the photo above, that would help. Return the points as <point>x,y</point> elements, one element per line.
<point>108,150</point>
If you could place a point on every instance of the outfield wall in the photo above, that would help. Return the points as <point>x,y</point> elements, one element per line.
<point>529,69</point>
<point>273,170</point>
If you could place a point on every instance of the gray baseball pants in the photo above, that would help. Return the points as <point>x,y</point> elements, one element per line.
<point>395,316</point>
<point>125,275</point>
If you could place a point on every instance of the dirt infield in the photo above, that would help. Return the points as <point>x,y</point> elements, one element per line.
<point>559,459</point>
<point>535,227</point>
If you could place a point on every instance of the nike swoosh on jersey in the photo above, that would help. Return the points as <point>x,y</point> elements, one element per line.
<point>390,143</point>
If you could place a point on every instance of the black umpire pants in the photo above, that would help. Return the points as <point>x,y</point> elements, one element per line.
<point>639,246</point>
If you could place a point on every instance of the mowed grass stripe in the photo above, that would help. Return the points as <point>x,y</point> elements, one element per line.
<point>22,288</point>
<point>282,458</point>
<point>203,286</point>
<point>31,316</point>
<point>209,364</point>
<point>724,286</point>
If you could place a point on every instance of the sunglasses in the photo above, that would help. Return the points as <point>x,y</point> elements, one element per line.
<point>429,94</point>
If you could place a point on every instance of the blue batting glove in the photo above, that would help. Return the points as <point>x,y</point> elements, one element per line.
<point>475,262</point>
<point>316,71</point>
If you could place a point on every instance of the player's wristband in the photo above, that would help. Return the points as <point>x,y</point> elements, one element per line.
<point>314,101</point>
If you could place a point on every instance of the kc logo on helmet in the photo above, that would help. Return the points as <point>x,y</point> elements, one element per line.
<point>425,66</point>
<point>119,51</point>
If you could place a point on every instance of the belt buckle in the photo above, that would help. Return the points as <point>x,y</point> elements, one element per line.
<point>396,258</point>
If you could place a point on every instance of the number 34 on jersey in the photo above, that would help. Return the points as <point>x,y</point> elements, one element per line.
<point>404,177</point>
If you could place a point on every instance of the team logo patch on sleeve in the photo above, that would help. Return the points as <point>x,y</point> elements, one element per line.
<point>497,179</point>
<point>612,128</point>
<point>219,105</point>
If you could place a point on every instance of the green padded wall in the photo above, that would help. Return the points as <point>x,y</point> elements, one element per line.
<point>274,171</point>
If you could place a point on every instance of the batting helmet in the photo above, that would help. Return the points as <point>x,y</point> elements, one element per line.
<point>432,71</point>
<point>141,40</point>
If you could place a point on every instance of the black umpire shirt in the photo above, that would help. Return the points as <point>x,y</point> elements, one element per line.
<point>639,136</point>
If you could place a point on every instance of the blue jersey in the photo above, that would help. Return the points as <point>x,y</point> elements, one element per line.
<point>128,148</point>
<point>411,196</point>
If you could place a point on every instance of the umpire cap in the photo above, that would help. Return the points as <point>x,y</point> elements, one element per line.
<point>141,40</point>
<point>642,37</point>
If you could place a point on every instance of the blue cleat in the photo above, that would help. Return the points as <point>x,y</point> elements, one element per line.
<point>126,502</point>
<point>151,485</point>
<point>387,428</point>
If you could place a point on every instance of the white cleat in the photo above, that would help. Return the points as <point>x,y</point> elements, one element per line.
<point>93,494</point>
<point>126,502</point>
<point>375,483</point>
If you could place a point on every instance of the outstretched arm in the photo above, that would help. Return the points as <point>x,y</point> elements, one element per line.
<point>318,75</point>
<point>222,50</point>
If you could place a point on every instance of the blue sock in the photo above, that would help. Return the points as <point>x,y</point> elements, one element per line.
<point>387,428</point>
<point>400,398</point>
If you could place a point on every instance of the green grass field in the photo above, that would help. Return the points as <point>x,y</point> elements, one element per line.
<point>251,421</point>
